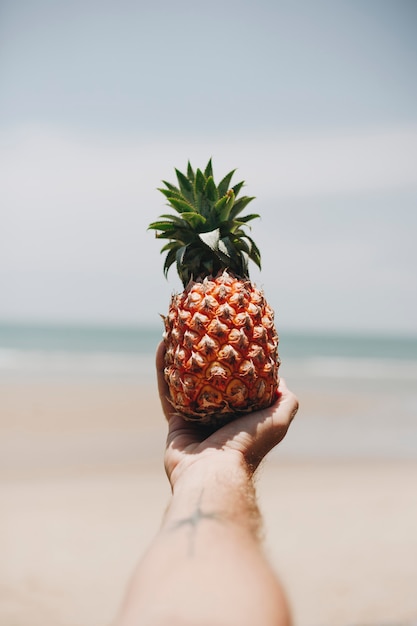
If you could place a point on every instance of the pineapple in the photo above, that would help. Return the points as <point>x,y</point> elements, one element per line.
<point>221,357</point>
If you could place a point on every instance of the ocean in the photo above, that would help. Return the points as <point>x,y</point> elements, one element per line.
<point>357,392</point>
<point>109,350</point>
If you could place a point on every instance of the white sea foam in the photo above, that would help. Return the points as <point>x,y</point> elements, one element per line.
<point>61,363</point>
<point>353,368</point>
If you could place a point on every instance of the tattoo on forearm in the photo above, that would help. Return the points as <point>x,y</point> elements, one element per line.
<point>193,521</point>
<point>247,517</point>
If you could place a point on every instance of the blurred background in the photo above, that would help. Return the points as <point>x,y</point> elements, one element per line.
<point>315,104</point>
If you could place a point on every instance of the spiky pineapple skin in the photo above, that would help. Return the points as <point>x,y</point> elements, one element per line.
<point>221,357</point>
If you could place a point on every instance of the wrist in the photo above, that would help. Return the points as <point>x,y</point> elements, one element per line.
<point>213,488</point>
<point>211,469</point>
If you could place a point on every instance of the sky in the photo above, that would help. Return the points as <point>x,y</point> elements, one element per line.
<point>314,103</point>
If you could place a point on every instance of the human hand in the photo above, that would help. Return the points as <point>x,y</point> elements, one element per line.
<point>244,441</point>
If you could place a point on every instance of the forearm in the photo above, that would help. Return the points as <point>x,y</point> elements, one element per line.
<point>206,565</point>
<point>220,495</point>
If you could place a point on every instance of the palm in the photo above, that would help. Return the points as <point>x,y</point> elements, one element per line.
<point>251,436</point>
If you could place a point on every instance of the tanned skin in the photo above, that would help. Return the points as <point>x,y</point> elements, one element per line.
<point>206,565</point>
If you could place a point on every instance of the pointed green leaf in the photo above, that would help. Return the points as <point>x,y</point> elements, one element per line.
<point>169,246</point>
<point>239,205</point>
<point>226,246</point>
<point>223,187</point>
<point>254,253</point>
<point>224,249</point>
<point>244,259</point>
<point>200,182</point>
<point>181,205</point>
<point>210,239</point>
<point>210,190</point>
<point>161,225</point>
<point>185,186</point>
<point>179,234</point>
<point>238,187</point>
<point>190,172</point>
<point>183,181</point>
<point>209,169</point>
<point>179,257</point>
<point>178,222</point>
<point>246,218</point>
<point>229,227</point>
<point>224,257</point>
<point>223,254</point>
<point>169,260</point>
<point>221,209</point>
<point>171,187</point>
<point>174,218</point>
<point>237,259</point>
<point>242,245</point>
<point>195,220</point>
<point>169,193</point>
<point>238,233</point>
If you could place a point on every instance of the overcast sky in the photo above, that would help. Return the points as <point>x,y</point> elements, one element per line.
<point>315,103</point>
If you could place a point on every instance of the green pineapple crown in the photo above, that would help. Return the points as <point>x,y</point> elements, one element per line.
<point>207,236</point>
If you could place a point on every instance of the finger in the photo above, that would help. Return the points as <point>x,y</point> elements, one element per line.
<point>278,417</point>
<point>276,420</point>
<point>255,434</point>
<point>160,356</point>
<point>162,385</point>
<point>288,402</point>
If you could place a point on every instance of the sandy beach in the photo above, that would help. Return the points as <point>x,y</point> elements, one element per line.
<point>82,491</point>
